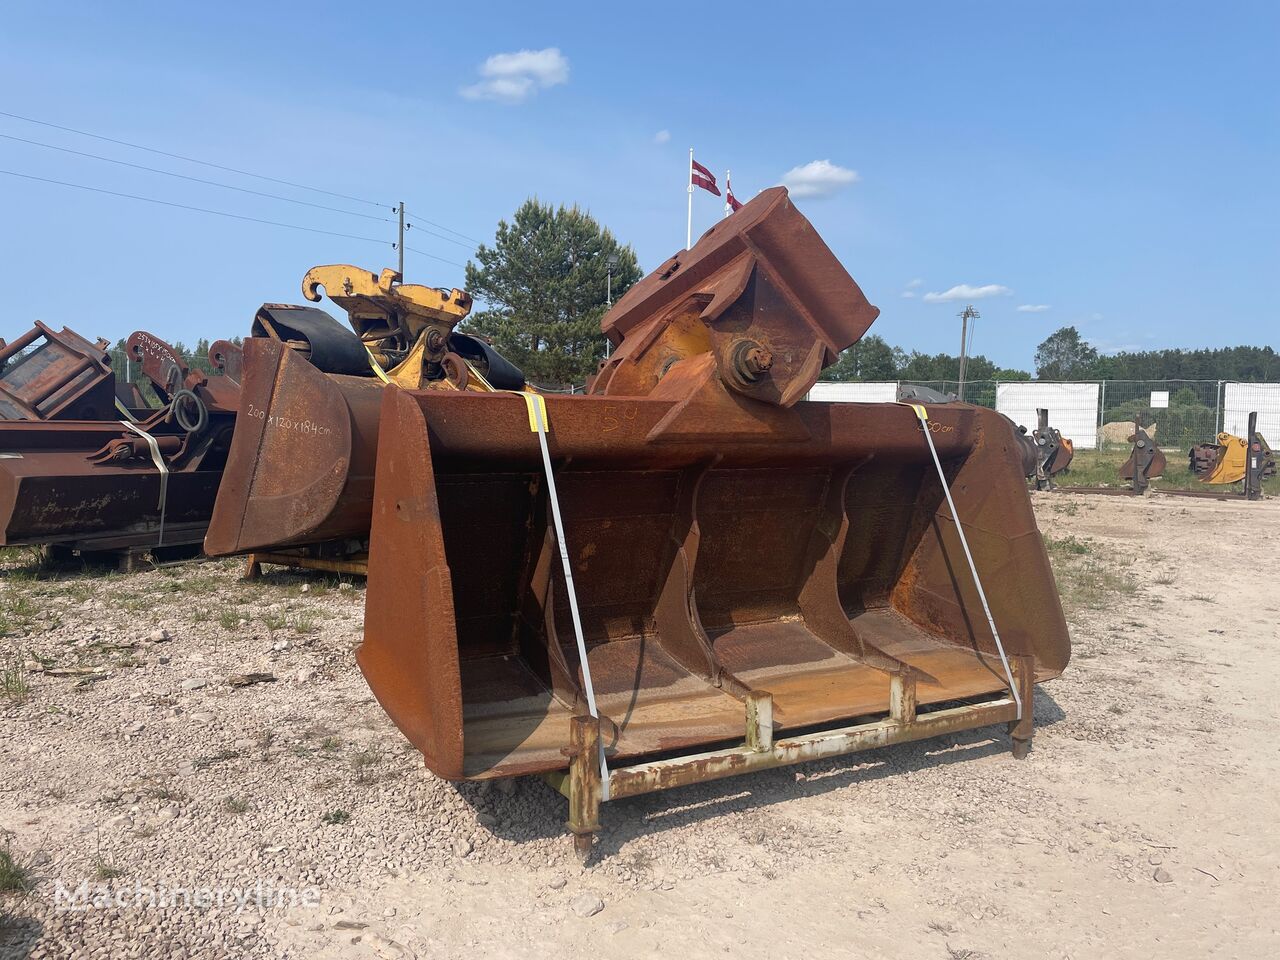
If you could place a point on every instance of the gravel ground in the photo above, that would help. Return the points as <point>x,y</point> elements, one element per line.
<point>1144,823</point>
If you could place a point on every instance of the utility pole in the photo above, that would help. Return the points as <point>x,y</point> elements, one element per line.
<point>400,245</point>
<point>965,316</point>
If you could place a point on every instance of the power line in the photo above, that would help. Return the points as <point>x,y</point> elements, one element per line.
<point>245,173</point>
<point>443,227</point>
<point>206,163</point>
<point>423,253</point>
<point>440,236</point>
<point>211,183</point>
<point>183,206</point>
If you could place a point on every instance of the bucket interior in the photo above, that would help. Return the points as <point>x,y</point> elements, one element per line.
<point>665,683</point>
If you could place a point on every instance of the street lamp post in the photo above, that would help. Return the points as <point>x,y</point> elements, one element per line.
<point>610,264</point>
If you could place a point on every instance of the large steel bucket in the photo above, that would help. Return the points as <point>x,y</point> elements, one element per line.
<point>808,552</point>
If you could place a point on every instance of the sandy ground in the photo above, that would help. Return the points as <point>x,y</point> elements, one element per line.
<point>1144,824</point>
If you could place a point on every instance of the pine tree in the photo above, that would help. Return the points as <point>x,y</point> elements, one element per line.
<point>543,285</point>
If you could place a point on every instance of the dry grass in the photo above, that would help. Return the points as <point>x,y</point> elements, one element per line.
<point>1086,580</point>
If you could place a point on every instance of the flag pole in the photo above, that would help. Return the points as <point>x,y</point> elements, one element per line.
<point>727,209</point>
<point>688,233</point>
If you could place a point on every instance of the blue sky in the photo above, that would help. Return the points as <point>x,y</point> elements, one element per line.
<point>1113,163</point>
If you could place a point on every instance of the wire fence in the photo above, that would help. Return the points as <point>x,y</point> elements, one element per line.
<point>1100,414</point>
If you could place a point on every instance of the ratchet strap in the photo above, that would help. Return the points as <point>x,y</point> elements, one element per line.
<point>377,367</point>
<point>923,416</point>
<point>161,466</point>
<point>538,423</point>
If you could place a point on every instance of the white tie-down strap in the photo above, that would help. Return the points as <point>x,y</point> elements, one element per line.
<point>161,466</point>
<point>538,422</point>
<point>964,542</point>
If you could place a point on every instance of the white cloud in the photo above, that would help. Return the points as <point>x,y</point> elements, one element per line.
<point>662,136</point>
<point>962,291</point>
<point>1033,308</point>
<point>820,178</point>
<point>917,282</point>
<point>514,77</point>
<point>908,295</point>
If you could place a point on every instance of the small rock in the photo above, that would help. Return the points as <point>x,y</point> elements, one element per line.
<point>168,813</point>
<point>585,905</point>
<point>618,926</point>
<point>462,848</point>
<point>202,717</point>
<point>349,925</point>
<point>1155,859</point>
<point>159,636</point>
<point>315,927</point>
<point>557,883</point>
<point>306,588</point>
<point>194,683</point>
<point>306,674</point>
<point>1162,876</point>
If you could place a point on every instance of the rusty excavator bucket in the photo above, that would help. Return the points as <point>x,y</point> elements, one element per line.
<point>300,470</point>
<point>742,563</point>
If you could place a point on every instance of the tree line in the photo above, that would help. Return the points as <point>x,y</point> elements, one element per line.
<point>1063,355</point>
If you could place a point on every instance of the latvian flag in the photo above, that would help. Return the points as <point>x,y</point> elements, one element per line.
<point>732,202</point>
<point>700,176</point>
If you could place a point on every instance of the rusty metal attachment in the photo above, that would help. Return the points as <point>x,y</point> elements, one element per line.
<point>584,787</point>
<point>146,480</point>
<point>1146,461</point>
<point>45,375</point>
<point>1046,452</point>
<point>747,567</point>
<point>1235,460</point>
<point>298,487</point>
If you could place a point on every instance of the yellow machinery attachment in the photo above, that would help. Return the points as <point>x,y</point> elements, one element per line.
<point>1233,453</point>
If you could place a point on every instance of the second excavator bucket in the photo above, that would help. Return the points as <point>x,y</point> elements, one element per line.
<point>300,469</point>
<point>722,538</point>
